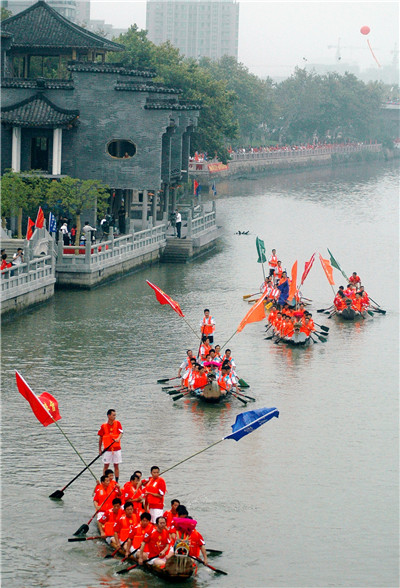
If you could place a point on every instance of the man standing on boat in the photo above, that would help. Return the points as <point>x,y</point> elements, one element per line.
<point>109,432</point>
<point>154,493</point>
<point>272,262</point>
<point>207,326</point>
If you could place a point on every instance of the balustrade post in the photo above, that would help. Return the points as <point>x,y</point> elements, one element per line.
<point>189,224</point>
<point>88,247</point>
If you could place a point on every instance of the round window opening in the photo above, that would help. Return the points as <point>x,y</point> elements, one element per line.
<point>121,149</point>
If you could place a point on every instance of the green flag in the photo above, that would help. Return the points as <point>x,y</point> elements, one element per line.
<point>335,264</point>
<point>261,251</point>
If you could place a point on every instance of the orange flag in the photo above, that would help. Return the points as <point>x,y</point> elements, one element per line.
<point>327,269</point>
<point>29,230</point>
<point>255,314</point>
<point>293,286</point>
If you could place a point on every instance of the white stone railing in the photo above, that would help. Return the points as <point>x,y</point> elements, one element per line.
<point>89,256</point>
<point>304,152</point>
<point>21,278</point>
<point>205,222</point>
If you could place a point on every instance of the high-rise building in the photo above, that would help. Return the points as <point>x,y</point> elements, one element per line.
<point>67,8</point>
<point>198,28</point>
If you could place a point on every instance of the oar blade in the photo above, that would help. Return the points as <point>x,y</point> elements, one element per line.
<point>57,495</point>
<point>83,529</point>
<point>243,384</point>
<point>162,380</point>
<point>126,570</point>
<point>324,328</point>
<point>177,397</point>
<point>214,551</point>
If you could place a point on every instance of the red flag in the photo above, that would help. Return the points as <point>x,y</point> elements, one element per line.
<point>195,186</point>
<point>255,314</point>
<point>293,286</point>
<point>39,219</point>
<point>307,266</point>
<point>29,230</point>
<point>163,298</point>
<point>45,406</point>
<point>327,269</point>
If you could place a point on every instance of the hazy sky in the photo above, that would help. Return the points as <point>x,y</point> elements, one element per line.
<point>275,37</point>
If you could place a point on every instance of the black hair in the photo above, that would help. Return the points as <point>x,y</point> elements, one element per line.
<point>103,478</point>
<point>158,518</point>
<point>145,515</point>
<point>154,468</point>
<point>117,501</point>
<point>129,503</point>
<point>110,410</point>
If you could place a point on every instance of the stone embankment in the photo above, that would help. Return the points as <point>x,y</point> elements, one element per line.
<point>48,264</point>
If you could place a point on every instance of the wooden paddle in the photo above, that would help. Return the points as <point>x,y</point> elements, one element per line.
<point>58,494</point>
<point>325,309</point>
<point>246,296</point>
<point>208,566</point>
<point>164,380</point>
<point>111,555</point>
<point>129,555</point>
<point>71,539</point>
<point>322,339</point>
<point>126,570</point>
<point>378,310</point>
<point>322,327</point>
<point>213,552</point>
<point>243,384</point>
<point>83,529</point>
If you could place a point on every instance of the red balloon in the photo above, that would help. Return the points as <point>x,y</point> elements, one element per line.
<point>365,30</point>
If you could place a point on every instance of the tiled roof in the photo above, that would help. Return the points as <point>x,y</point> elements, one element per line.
<point>166,105</point>
<point>37,111</point>
<point>144,87</point>
<point>40,26</point>
<point>48,83</point>
<point>109,68</point>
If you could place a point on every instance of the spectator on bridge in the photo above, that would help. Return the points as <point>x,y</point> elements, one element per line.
<point>18,257</point>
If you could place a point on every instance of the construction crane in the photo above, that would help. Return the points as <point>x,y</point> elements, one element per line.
<point>338,48</point>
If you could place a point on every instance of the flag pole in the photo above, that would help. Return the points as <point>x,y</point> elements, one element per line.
<point>194,454</point>
<point>190,327</point>
<point>76,451</point>
<point>231,337</point>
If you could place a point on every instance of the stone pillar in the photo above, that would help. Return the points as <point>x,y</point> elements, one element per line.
<point>88,247</point>
<point>173,203</point>
<point>16,149</point>
<point>189,223</point>
<point>57,147</point>
<point>154,209</point>
<point>144,210</point>
<point>166,199</point>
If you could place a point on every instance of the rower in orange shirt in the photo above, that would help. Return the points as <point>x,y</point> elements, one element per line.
<point>308,326</point>
<point>137,533</point>
<point>288,330</point>
<point>170,514</point>
<point>103,494</point>
<point>107,521</point>
<point>358,305</point>
<point>355,280</point>
<point>133,492</point>
<point>200,380</point>
<point>340,301</point>
<point>155,491</point>
<point>278,271</point>
<point>204,349</point>
<point>364,296</point>
<point>124,525</point>
<point>185,533</point>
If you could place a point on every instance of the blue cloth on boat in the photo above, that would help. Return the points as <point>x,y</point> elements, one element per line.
<point>247,422</point>
<point>284,288</point>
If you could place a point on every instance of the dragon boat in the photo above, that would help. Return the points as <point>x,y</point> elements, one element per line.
<point>349,314</point>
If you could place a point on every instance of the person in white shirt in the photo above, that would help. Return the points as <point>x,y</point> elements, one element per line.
<point>18,257</point>
<point>178,222</point>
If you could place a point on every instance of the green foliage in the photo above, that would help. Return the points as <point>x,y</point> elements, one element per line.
<point>77,195</point>
<point>333,107</point>
<point>5,13</point>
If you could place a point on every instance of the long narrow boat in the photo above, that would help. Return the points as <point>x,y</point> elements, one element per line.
<point>211,394</point>
<point>179,568</point>
<point>298,339</point>
<point>349,314</point>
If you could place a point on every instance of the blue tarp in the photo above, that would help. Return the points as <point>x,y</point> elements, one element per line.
<point>284,288</point>
<point>247,422</point>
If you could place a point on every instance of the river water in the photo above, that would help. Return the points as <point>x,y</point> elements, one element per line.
<point>309,499</point>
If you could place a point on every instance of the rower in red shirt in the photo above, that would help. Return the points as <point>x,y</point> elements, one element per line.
<point>156,544</point>
<point>133,492</point>
<point>108,432</point>
<point>185,531</point>
<point>154,493</point>
<point>137,533</point>
<point>103,493</point>
<point>170,514</point>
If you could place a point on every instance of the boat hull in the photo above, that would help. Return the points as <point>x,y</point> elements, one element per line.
<point>298,339</point>
<point>211,394</point>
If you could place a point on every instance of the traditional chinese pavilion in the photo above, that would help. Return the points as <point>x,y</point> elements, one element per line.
<point>66,111</point>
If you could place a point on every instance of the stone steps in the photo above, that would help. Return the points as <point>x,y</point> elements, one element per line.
<point>177,250</point>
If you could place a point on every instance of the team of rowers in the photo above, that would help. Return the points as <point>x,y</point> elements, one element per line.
<point>353,296</point>
<point>209,366</point>
<point>132,518</point>
<point>288,321</point>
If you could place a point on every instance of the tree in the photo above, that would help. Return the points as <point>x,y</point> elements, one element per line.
<point>21,193</point>
<point>77,196</point>
<point>5,13</point>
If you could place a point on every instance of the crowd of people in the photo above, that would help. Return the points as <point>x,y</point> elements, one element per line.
<point>210,365</point>
<point>353,296</point>
<point>288,321</point>
<point>132,517</point>
<point>17,259</point>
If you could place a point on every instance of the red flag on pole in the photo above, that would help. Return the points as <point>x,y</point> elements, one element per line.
<point>45,406</point>
<point>307,266</point>
<point>255,314</point>
<point>163,298</point>
<point>40,219</point>
<point>195,186</point>
<point>293,286</point>
<point>29,230</point>
<point>327,269</point>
